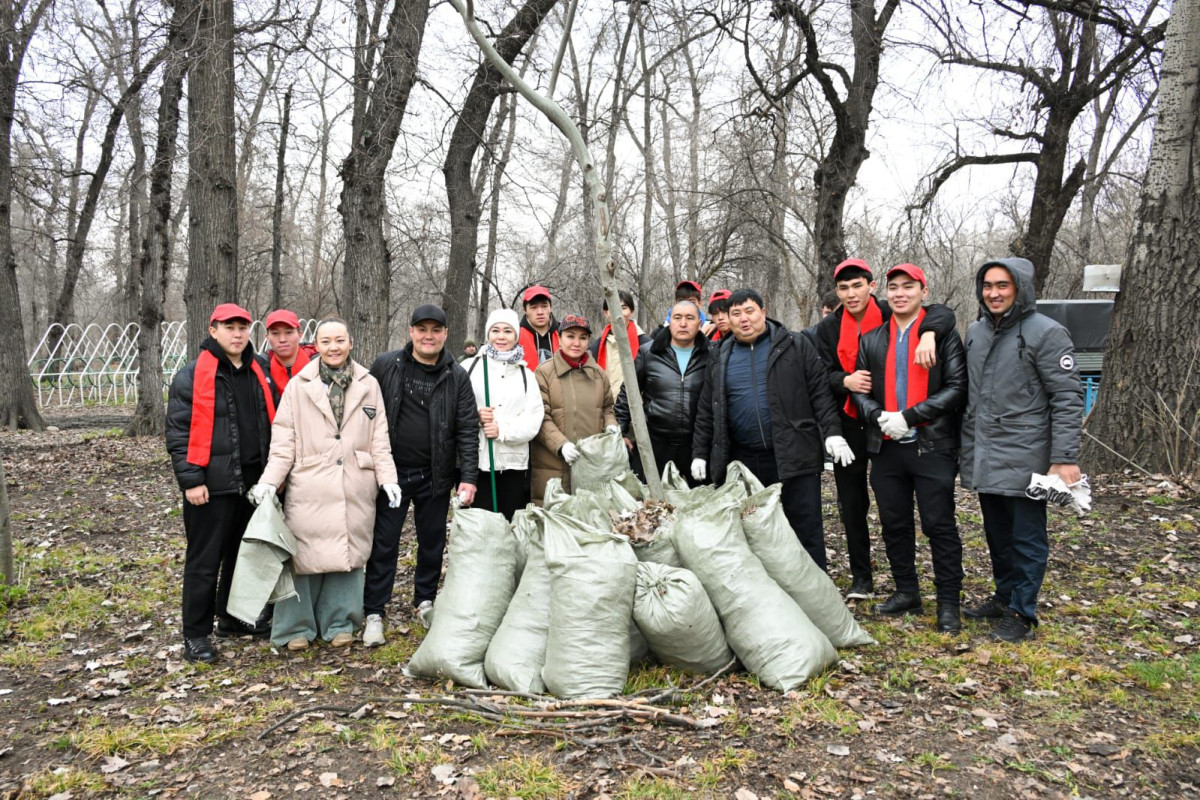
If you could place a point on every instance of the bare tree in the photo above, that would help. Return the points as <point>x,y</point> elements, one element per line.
<point>468,134</point>
<point>154,255</point>
<point>277,210</point>
<point>1148,411</point>
<point>1062,84</point>
<point>18,408</point>
<point>384,71</point>
<point>212,275</point>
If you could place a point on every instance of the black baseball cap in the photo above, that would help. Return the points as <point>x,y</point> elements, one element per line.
<point>428,311</point>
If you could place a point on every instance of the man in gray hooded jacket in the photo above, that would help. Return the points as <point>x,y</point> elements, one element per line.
<point>1024,415</point>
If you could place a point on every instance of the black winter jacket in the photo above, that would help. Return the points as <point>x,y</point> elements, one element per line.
<point>453,416</point>
<point>939,318</point>
<point>223,475</point>
<point>669,398</point>
<point>803,412</point>
<point>938,417</point>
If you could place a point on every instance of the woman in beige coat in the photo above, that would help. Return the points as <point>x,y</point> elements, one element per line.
<point>330,443</point>
<point>578,403</point>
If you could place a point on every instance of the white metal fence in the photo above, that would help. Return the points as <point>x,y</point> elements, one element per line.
<point>97,364</point>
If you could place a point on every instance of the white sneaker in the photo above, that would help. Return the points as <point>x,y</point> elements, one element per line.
<point>373,631</point>
<point>425,613</point>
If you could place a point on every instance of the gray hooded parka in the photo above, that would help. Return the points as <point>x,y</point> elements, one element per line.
<point>1025,401</point>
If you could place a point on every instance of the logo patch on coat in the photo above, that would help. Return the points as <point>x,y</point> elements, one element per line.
<point>369,411</point>
<point>1067,362</point>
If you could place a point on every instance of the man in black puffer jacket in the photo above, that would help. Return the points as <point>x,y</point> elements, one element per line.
<point>670,373</point>
<point>434,424</point>
<point>219,415</point>
<point>911,416</point>
<point>766,403</point>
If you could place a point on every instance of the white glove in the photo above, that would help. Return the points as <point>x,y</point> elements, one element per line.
<point>893,425</point>
<point>1052,488</point>
<point>392,491</point>
<point>839,451</point>
<point>699,469</point>
<point>260,493</point>
<point>570,453</point>
<point>616,429</point>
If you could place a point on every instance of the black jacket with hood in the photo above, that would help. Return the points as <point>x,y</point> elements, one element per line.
<point>1025,401</point>
<point>937,417</point>
<point>803,412</point>
<point>453,416</point>
<point>668,397</point>
<point>223,475</point>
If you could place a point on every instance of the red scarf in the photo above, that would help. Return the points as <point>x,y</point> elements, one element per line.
<point>572,363</point>
<point>204,404</point>
<point>281,374</point>
<point>602,352</point>
<point>918,376</point>
<point>847,346</point>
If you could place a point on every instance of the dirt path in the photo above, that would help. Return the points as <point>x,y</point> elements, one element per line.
<point>95,699</point>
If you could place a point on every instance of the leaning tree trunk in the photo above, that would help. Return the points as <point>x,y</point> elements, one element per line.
<point>18,408</point>
<point>149,416</point>
<point>380,99</point>
<point>212,170</point>
<point>1148,411</point>
<point>468,134</point>
<point>594,188</point>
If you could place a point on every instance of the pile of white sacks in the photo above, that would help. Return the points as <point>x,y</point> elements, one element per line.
<point>558,602</point>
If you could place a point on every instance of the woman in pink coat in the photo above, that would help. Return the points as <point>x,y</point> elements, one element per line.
<point>330,443</point>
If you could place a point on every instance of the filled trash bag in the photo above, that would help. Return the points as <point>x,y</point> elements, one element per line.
<point>673,612</point>
<point>772,539</point>
<point>592,578</point>
<point>602,458</point>
<point>517,652</point>
<point>765,627</point>
<point>480,582</point>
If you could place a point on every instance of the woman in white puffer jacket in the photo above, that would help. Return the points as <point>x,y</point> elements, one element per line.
<point>510,420</point>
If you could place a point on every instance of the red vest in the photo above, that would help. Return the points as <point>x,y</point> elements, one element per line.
<point>528,343</point>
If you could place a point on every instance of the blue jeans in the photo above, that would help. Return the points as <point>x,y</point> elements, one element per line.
<point>1019,546</point>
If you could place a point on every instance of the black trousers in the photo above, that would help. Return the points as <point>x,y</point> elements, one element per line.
<point>680,453</point>
<point>512,491</point>
<point>1019,546</point>
<point>214,534</point>
<point>898,472</point>
<point>800,496</point>
<point>429,518</point>
<point>854,501</point>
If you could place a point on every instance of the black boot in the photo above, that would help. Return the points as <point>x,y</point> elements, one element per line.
<point>860,589</point>
<point>199,649</point>
<point>988,609</point>
<point>948,619</point>
<point>900,603</point>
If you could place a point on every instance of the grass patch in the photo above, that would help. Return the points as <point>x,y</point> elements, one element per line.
<point>98,738</point>
<point>525,777</point>
<point>652,789</point>
<point>50,782</point>
<point>654,676</point>
<point>412,756</point>
<point>933,762</point>
<point>1165,674</point>
<point>731,760</point>
<point>810,711</point>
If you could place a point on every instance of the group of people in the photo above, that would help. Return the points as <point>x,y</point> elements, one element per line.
<point>888,383</point>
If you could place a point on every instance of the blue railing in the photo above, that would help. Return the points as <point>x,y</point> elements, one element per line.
<point>1091,388</point>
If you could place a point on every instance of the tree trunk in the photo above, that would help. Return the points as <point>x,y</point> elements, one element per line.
<point>8,574</point>
<point>603,253</point>
<point>380,99</point>
<point>468,134</point>
<point>489,263</point>
<point>1148,411</point>
<point>18,408</point>
<point>277,214</point>
<point>212,274</point>
<point>149,416</point>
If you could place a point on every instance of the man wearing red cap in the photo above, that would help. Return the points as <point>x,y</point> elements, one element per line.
<point>287,355</point>
<point>837,338</point>
<point>718,313</point>
<point>538,336</point>
<point>911,415</point>
<point>219,415</point>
